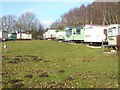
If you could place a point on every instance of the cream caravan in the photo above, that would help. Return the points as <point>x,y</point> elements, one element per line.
<point>113,34</point>
<point>50,34</point>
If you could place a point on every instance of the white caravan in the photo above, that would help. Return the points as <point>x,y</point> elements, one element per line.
<point>50,34</point>
<point>24,36</point>
<point>60,35</point>
<point>95,33</point>
<point>113,34</point>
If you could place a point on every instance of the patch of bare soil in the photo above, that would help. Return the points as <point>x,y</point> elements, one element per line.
<point>14,81</point>
<point>29,76</point>
<point>61,71</point>
<point>88,59</point>
<point>44,74</point>
<point>19,85</point>
<point>12,62</point>
<point>69,78</point>
<point>7,74</point>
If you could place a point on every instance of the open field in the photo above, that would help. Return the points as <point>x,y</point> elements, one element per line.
<point>51,64</point>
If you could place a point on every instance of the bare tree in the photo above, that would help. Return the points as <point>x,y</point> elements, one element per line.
<point>109,11</point>
<point>8,22</point>
<point>57,25</point>
<point>102,13</point>
<point>54,25</point>
<point>75,17</point>
<point>27,21</point>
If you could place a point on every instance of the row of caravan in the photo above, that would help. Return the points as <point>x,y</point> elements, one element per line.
<point>24,36</point>
<point>89,34</point>
<point>13,36</point>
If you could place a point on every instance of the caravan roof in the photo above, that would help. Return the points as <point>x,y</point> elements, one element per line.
<point>73,27</point>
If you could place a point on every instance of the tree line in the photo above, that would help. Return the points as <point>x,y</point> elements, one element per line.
<point>27,23</point>
<point>99,13</point>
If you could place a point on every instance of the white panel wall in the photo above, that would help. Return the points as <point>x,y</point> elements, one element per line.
<point>112,40</point>
<point>50,33</point>
<point>94,33</point>
<point>0,34</point>
<point>3,35</point>
<point>24,36</point>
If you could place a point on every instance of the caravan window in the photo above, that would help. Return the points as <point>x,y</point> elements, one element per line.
<point>69,32</point>
<point>112,31</point>
<point>118,30</point>
<point>87,35</point>
<point>78,31</point>
<point>89,28</point>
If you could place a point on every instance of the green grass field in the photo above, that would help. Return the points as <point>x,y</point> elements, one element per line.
<point>51,64</point>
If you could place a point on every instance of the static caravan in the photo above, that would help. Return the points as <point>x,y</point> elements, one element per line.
<point>95,34</point>
<point>60,35</point>
<point>12,36</point>
<point>74,33</point>
<point>50,34</point>
<point>114,34</point>
<point>24,36</point>
<point>3,35</point>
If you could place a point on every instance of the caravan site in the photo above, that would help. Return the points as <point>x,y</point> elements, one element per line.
<point>60,45</point>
